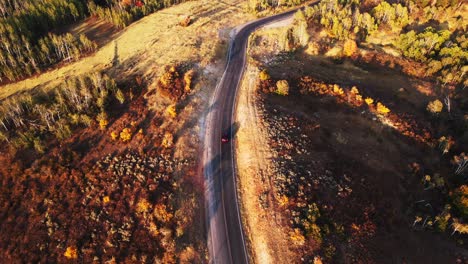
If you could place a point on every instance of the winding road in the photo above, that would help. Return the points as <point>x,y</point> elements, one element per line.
<point>226,242</point>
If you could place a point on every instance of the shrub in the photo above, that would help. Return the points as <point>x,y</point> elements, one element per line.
<point>171,111</point>
<point>188,77</point>
<point>282,87</point>
<point>264,76</point>
<point>354,90</point>
<point>126,134</point>
<point>382,109</point>
<point>71,253</point>
<point>38,146</point>
<point>102,119</point>
<point>168,140</point>
<point>119,95</point>
<point>369,101</point>
<point>337,90</point>
<point>297,237</point>
<point>186,21</point>
<point>162,213</point>
<point>349,47</point>
<point>114,135</point>
<point>443,218</point>
<point>435,107</point>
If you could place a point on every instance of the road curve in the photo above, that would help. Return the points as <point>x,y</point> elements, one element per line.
<point>226,242</point>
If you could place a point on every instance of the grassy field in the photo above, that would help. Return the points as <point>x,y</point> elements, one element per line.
<point>152,42</point>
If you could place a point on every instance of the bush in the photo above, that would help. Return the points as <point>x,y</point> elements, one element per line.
<point>126,134</point>
<point>297,237</point>
<point>382,109</point>
<point>171,111</point>
<point>168,140</point>
<point>264,76</point>
<point>349,47</point>
<point>114,135</point>
<point>188,78</point>
<point>102,119</point>
<point>173,84</point>
<point>71,253</point>
<point>119,95</point>
<point>435,107</point>
<point>282,87</point>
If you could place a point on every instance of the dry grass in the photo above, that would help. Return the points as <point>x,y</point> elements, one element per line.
<point>154,41</point>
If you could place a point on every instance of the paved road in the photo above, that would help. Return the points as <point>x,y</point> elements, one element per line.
<point>226,242</point>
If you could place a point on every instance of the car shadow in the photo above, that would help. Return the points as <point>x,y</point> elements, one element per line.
<point>232,130</point>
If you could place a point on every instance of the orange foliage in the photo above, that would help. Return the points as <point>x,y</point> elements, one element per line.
<point>406,127</point>
<point>382,109</point>
<point>162,214</point>
<point>297,237</point>
<point>71,253</point>
<point>126,135</point>
<point>369,101</point>
<point>349,47</point>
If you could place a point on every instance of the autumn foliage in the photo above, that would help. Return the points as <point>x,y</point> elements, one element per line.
<point>175,83</point>
<point>354,98</point>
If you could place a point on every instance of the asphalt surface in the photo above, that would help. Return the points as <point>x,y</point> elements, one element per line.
<point>226,242</point>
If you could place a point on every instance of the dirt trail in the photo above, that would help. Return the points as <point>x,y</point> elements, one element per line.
<point>268,238</point>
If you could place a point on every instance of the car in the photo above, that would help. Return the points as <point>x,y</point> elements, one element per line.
<point>225,138</point>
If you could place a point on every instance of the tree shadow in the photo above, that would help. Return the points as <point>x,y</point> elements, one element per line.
<point>115,60</point>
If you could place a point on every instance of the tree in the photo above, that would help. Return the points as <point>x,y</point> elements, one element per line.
<point>349,47</point>
<point>460,200</point>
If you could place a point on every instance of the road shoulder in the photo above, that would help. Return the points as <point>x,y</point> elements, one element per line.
<point>267,237</point>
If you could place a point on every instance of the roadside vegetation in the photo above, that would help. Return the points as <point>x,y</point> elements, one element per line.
<point>365,103</point>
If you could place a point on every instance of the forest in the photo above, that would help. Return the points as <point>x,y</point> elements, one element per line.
<point>29,120</point>
<point>27,29</point>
